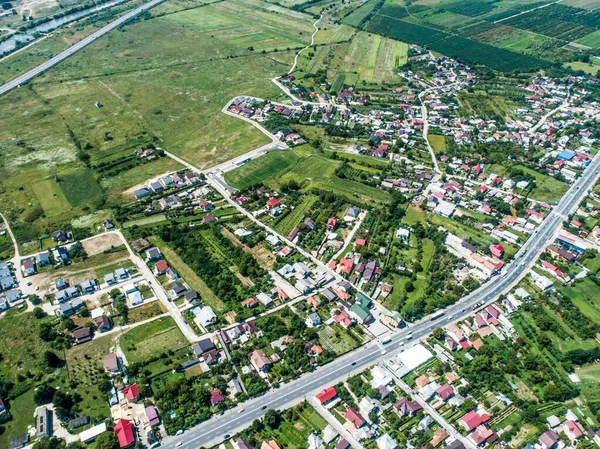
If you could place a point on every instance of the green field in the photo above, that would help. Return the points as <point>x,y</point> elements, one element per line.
<point>258,171</point>
<point>438,143</point>
<point>51,197</point>
<point>158,336</point>
<point>296,216</point>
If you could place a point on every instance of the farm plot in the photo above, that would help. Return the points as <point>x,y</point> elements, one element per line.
<point>258,171</point>
<point>357,17</point>
<point>159,336</point>
<point>293,218</point>
<point>51,197</point>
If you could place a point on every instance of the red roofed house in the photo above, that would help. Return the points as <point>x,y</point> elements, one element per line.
<point>346,265</point>
<point>497,250</point>
<point>472,419</point>
<point>161,267</point>
<point>216,397</point>
<point>445,392</point>
<point>573,430</point>
<point>124,432</point>
<point>272,203</point>
<point>354,417</point>
<point>343,318</point>
<point>331,223</point>
<point>250,302</point>
<point>477,344</point>
<point>483,435</point>
<point>482,188</point>
<point>131,393</point>
<point>360,242</point>
<point>326,395</point>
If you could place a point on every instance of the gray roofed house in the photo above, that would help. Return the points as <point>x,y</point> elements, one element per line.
<point>203,346</point>
<point>178,289</point>
<point>121,273</point>
<point>78,422</point>
<point>60,236</point>
<point>153,254</point>
<point>42,259</point>
<point>156,186</point>
<point>43,424</point>
<point>7,282</point>
<point>235,387</point>
<point>111,363</point>
<point>88,286</point>
<point>456,444</point>
<point>77,304</point>
<point>65,309</point>
<point>3,304</point>
<point>353,212</point>
<point>243,444</point>
<point>144,191</point>
<point>13,295</point>
<point>110,278</point>
<point>329,294</point>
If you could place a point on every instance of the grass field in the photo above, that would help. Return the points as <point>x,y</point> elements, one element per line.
<point>296,216</point>
<point>159,336</point>
<point>271,165</point>
<point>51,197</point>
<point>438,143</point>
<point>193,280</point>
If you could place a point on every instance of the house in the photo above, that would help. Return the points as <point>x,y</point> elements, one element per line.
<point>60,254</point>
<point>43,422</point>
<point>29,267</point>
<point>88,286</point>
<point>456,444</point>
<point>131,393</point>
<point>152,415</point>
<point>269,445</point>
<point>191,296</point>
<point>439,436</point>
<point>81,335</point>
<point>108,224</point>
<point>273,203</point>
<point>153,254</point>
<point>124,431</point>
<point>406,407</point>
<point>386,442</point>
<point>354,417</point>
<point>352,214</point>
<point>331,223</point>
<point>140,193</point>
<point>42,259</point>
<point>111,363</point>
<point>473,419</point>
<point>313,319</point>
<point>161,267</point>
<point>12,295</point>
<point>216,397</point>
<point>360,314</point>
<point>549,439</point>
<point>60,284</point>
<point>241,443</point>
<point>260,361</point>
<point>61,236</point>
<point>78,422</point>
<point>326,395</point>
<point>235,387</point>
<point>178,289</point>
<point>497,250</point>
<point>573,430</point>
<point>19,441</point>
<point>264,299</point>
<point>103,323</point>
<point>445,392</point>
<point>203,347</point>
<point>206,316</point>
<point>250,303</point>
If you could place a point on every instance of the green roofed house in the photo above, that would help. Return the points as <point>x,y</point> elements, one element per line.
<point>361,314</point>
<point>364,301</point>
<point>391,317</point>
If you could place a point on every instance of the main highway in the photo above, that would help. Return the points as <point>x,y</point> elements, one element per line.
<point>215,430</point>
<point>76,47</point>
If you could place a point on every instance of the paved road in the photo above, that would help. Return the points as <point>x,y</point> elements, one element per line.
<point>76,47</point>
<point>213,431</point>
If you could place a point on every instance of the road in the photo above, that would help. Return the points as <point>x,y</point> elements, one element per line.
<point>312,41</point>
<point>76,47</point>
<point>212,432</point>
<point>545,117</point>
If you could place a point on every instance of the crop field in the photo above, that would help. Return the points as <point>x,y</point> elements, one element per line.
<point>80,188</point>
<point>358,15</point>
<point>51,197</point>
<point>293,218</point>
<point>143,342</point>
<point>438,143</point>
<point>374,58</point>
<point>591,40</point>
<point>258,171</point>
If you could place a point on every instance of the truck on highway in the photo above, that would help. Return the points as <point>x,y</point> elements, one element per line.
<point>384,340</point>
<point>435,316</point>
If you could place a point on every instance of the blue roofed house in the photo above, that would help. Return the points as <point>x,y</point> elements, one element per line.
<point>7,282</point>
<point>565,155</point>
<point>3,304</point>
<point>60,284</point>
<point>144,191</point>
<point>110,279</point>
<point>65,309</point>
<point>156,186</point>
<point>121,273</point>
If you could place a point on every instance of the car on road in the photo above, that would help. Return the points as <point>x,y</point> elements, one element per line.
<point>226,436</point>
<point>353,363</point>
<point>241,410</point>
<point>179,443</point>
<point>179,432</point>
<point>264,407</point>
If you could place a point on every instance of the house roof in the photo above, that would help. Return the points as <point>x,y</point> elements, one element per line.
<point>131,392</point>
<point>354,417</point>
<point>326,395</point>
<point>152,415</point>
<point>124,431</point>
<point>111,362</point>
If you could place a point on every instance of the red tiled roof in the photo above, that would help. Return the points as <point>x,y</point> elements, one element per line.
<point>124,432</point>
<point>131,392</point>
<point>326,395</point>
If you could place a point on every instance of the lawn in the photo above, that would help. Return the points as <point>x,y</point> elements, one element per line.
<point>159,336</point>
<point>589,374</point>
<point>586,296</point>
<point>190,276</point>
<point>146,311</point>
<point>51,197</point>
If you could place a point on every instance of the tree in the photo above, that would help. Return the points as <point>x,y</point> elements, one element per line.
<point>48,443</point>
<point>272,419</point>
<point>38,313</point>
<point>43,394</point>
<point>107,440</point>
<point>438,333</point>
<point>52,360</point>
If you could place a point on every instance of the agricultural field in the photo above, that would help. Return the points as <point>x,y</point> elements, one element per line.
<point>159,336</point>
<point>142,98</point>
<point>258,171</point>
